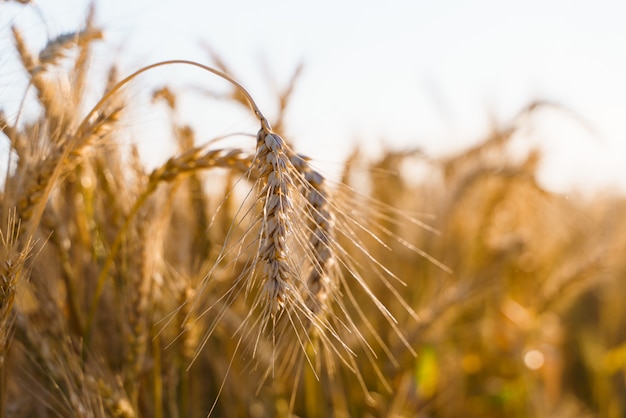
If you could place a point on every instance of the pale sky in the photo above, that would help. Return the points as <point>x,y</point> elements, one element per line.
<point>406,73</point>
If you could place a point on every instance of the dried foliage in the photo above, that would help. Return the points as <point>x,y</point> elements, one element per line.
<point>127,293</point>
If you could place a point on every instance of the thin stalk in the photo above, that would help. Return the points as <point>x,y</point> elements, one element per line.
<point>264,122</point>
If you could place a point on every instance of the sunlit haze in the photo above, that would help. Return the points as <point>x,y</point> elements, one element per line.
<point>403,74</point>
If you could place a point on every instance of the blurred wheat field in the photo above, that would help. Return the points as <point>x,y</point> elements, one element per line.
<point>241,282</point>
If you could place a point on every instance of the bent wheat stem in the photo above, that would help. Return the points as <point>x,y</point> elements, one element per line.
<point>264,122</point>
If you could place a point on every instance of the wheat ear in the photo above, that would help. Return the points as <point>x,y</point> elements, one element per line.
<point>275,196</point>
<point>322,234</point>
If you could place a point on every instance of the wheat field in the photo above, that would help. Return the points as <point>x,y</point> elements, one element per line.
<point>243,282</point>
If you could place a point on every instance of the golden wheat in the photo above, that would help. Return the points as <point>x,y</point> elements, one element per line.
<point>266,289</point>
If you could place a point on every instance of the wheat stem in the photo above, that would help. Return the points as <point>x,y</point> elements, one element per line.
<point>264,122</point>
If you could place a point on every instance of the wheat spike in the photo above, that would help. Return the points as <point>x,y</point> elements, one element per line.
<point>275,197</point>
<point>56,48</point>
<point>322,235</point>
<point>195,159</point>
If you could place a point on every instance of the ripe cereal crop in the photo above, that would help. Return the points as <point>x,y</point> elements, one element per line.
<point>242,281</point>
